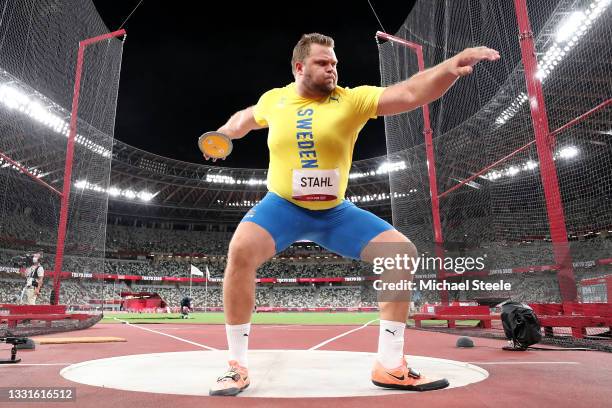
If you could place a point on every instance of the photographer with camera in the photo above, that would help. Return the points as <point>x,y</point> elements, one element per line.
<point>34,279</point>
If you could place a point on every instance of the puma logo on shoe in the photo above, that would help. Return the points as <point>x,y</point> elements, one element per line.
<point>392,332</point>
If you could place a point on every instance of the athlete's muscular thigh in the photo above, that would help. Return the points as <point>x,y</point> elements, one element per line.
<point>250,246</point>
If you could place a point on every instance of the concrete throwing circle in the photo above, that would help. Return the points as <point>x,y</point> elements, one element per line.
<point>274,373</point>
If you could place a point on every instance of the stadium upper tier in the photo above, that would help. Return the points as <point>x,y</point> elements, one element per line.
<point>182,191</point>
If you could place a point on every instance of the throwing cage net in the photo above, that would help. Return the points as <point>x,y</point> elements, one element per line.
<point>518,165</point>
<point>55,58</point>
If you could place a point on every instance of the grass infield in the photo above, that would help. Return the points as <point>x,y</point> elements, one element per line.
<point>314,318</point>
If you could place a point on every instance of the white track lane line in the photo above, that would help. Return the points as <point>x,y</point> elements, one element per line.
<point>341,335</point>
<point>521,362</point>
<point>168,335</point>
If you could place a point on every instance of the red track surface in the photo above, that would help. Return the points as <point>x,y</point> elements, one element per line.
<point>585,383</point>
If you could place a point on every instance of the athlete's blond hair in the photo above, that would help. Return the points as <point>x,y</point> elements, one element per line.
<point>302,48</point>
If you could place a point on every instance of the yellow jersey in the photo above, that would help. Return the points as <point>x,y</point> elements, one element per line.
<point>311,141</point>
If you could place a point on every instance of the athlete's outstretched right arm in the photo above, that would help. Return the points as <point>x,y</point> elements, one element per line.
<point>241,123</point>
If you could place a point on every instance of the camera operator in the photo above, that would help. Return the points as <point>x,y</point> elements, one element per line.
<point>34,280</point>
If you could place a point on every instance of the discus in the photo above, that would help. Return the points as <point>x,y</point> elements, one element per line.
<point>215,145</point>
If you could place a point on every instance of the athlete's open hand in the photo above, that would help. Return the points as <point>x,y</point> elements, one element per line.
<point>462,63</point>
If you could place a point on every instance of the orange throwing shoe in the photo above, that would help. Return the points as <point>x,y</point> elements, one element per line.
<point>233,382</point>
<point>404,378</point>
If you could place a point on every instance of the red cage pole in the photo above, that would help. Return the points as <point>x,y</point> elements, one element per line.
<point>544,144</point>
<point>431,160</point>
<point>585,115</point>
<point>485,169</point>
<point>25,171</point>
<point>568,125</point>
<point>61,233</point>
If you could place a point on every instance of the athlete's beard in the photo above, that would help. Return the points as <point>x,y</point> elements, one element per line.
<point>322,88</point>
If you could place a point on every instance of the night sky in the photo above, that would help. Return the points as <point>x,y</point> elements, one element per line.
<point>186,69</point>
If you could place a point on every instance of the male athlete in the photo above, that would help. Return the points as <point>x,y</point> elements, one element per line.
<point>312,127</point>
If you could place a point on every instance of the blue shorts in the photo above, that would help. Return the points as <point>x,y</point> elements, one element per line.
<point>344,229</point>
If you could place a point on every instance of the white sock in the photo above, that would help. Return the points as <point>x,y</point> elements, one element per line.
<point>238,342</point>
<point>391,343</point>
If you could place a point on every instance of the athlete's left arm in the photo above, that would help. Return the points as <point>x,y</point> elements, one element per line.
<point>431,84</point>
